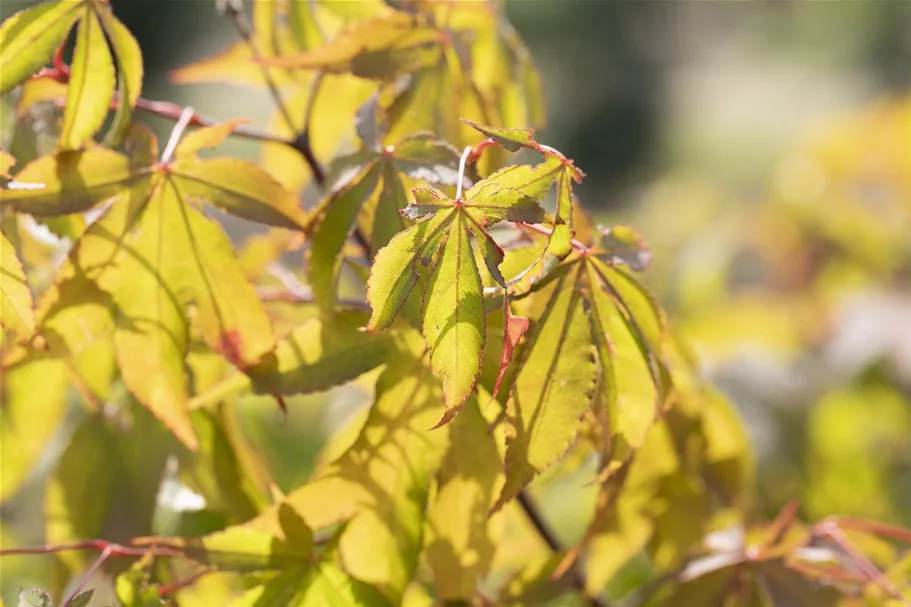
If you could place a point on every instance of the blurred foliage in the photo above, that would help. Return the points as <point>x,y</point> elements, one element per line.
<point>794,303</point>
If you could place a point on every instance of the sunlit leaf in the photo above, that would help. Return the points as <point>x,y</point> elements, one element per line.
<point>29,38</point>
<point>244,549</point>
<point>206,138</point>
<point>454,318</point>
<point>7,162</point>
<point>379,48</point>
<point>152,332</point>
<point>461,535</point>
<point>130,72</point>
<point>554,388</point>
<point>34,402</point>
<point>91,84</point>
<point>382,479</point>
<point>511,139</point>
<point>16,305</point>
<point>395,269</point>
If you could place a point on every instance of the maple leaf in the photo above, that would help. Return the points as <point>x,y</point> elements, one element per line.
<point>28,40</point>
<point>158,256</point>
<point>370,183</point>
<point>597,342</point>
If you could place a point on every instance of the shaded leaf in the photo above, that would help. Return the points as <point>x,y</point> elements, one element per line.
<point>74,181</point>
<point>29,38</point>
<point>316,356</point>
<point>335,219</point>
<point>91,84</point>
<point>238,187</point>
<point>423,156</point>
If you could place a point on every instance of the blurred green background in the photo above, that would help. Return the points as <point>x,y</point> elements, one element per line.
<point>763,149</point>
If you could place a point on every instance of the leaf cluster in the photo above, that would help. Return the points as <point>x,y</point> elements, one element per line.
<point>507,340</point>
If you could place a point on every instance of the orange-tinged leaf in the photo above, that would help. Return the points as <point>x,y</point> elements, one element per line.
<point>453,321</point>
<point>16,304</point>
<point>207,138</point>
<point>91,85</point>
<point>514,327</point>
<point>553,389</point>
<point>230,316</point>
<point>73,182</point>
<point>238,187</point>
<point>29,38</point>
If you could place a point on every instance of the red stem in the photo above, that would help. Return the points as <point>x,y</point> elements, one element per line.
<point>103,545</point>
<point>179,584</point>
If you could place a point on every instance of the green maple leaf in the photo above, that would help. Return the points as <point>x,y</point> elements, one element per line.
<point>453,310</point>
<point>158,256</point>
<point>106,58</point>
<point>369,183</point>
<point>597,342</point>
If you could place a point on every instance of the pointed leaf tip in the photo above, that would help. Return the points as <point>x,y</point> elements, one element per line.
<point>513,330</point>
<point>511,139</point>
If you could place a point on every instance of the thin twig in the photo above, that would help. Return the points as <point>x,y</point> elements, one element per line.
<point>87,576</point>
<point>176,133</point>
<point>172,111</point>
<point>180,584</point>
<point>281,294</point>
<point>302,141</point>
<point>244,28</point>
<point>576,575</point>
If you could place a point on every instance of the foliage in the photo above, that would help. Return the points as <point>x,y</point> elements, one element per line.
<point>507,340</point>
